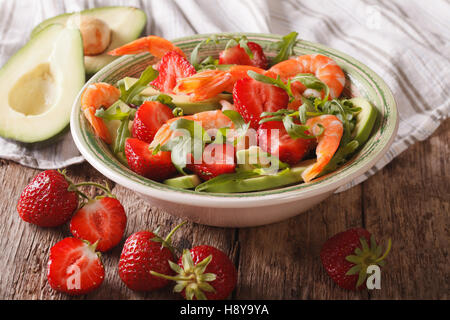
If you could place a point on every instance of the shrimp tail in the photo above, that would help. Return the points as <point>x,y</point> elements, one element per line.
<point>98,124</point>
<point>328,143</point>
<point>204,85</point>
<point>155,45</point>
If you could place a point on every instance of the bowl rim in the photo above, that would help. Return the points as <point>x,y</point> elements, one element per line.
<point>325,184</point>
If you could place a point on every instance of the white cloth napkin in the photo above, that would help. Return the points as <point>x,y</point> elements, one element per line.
<point>406,42</point>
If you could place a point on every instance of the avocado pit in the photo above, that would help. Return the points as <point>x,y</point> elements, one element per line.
<point>95,33</point>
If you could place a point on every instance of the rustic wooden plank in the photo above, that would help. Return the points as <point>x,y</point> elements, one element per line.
<point>409,201</point>
<point>26,246</point>
<point>278,261</point>
<point>281,261</point>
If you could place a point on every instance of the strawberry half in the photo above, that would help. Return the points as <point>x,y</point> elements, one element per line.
<point>103,220</point>
<point>141,160</point>
<point>173,66</point>
<point>274,139</point>
<point>238,55</point>
<point>150,116</point>
<point>217,159</point>
<point>46,200</point>
<point>74,267</point>
<point>347,255</point>
<point>251,98</point>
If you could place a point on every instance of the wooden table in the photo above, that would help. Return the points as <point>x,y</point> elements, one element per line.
<point>408,201</point>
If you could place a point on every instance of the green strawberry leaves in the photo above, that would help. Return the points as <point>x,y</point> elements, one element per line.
<point>365,256</point>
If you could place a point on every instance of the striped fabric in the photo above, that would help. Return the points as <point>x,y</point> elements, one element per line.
<point>406,42</point>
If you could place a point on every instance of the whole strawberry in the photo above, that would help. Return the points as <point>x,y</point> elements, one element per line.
<point>203,273</point>
<point>347,255</point>
<point>74,267</point>
<point>142,252</point>
<point>47,201</point>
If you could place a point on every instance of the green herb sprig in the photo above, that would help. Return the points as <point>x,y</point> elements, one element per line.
<point>285,47</point>
<point>147,76</point>
<point>191,143</point>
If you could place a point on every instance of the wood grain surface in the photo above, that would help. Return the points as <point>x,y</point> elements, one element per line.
<point>407,201</point>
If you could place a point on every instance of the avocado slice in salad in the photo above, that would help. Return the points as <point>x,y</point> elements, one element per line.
<point>181,101</point>
<point>365,120</point>
<point>114,125</point>
<point>184,182</point>
<point>126,24</point>
<point>282,178</point>
<point>39,84</point>
<point>254,158</point>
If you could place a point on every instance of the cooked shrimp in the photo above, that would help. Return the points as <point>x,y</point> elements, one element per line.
<point>155,45</point>
<point>209,120</point>
<point>204,85</point>
<point>95,96</point>
<point>209,83</point>
<point>328,142</point>
<point>322,67</point>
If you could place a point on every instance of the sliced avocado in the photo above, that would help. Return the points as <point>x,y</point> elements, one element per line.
<point>113,125</point>
<point>126,24</point>
<point>281,179</point>
<point>184,182</point>
<point>254,157</point>
<point>365,120</point>
<point>40,83</point>
<point>182,101</point>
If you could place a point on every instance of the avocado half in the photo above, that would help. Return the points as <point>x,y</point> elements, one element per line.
<point>126,24</point>
<point>40,83</point>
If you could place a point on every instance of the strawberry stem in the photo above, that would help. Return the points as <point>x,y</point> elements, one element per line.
<point>386,252</point>
<point>72,187</point>
<point>97,185</point>
<point>174,278</point>
<point>167,239</point>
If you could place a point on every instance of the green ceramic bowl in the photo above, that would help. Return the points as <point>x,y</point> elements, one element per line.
<point>246,209</point>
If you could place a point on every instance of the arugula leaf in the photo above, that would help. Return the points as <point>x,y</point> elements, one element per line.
<point>221,136</point>
<point>207,63</point>
<point>296,131</point>
<point>146,77</point>
<point>276,82</point>
<point>211,63</point>
<point>123,132</point>
<point>285,47</point>
<point>240,126</point>
<point>192,140</point>
<point>312,82</point>
<point>194,53</point>
<point>115,112</point>
<point>243,43</point>
<point>237,120</point>
<point>162,98</point>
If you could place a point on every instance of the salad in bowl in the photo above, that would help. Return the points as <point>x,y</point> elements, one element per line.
<point>231,124</point>
<point>260,120</point>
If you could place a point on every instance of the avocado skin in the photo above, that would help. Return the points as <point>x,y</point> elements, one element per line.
<point>283,178</point>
